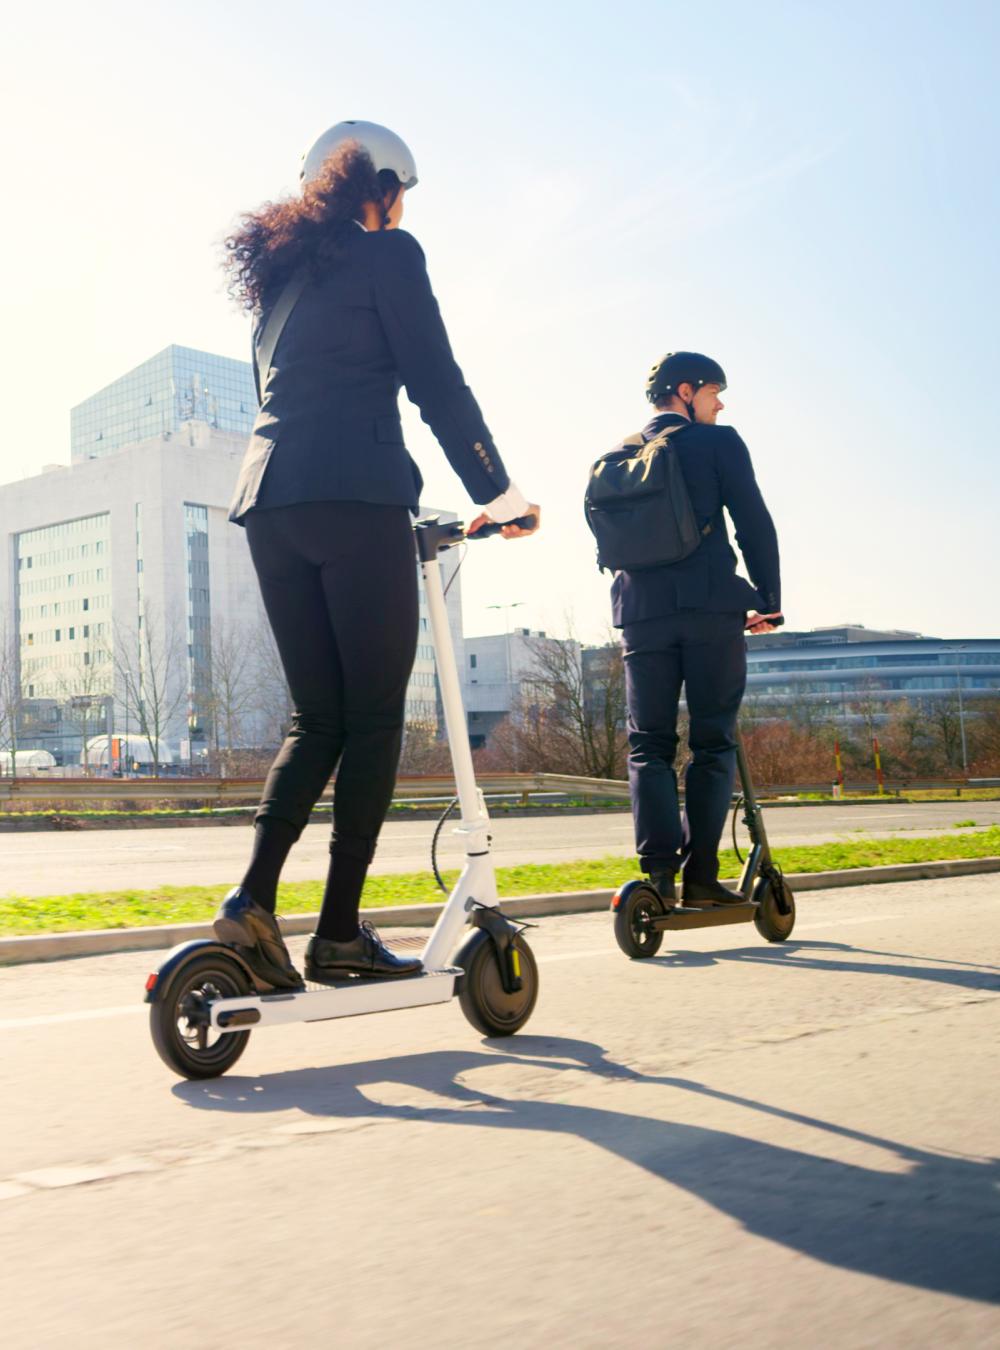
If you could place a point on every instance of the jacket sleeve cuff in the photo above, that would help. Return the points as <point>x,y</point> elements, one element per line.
<point>508,506</point>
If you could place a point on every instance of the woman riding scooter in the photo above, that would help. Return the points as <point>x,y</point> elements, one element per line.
<point>325,494</point>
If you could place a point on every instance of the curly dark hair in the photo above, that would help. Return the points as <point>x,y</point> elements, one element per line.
<point>274,241</point>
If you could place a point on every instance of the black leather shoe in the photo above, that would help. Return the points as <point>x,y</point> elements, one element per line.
<point>709,893</point>
<point>365,954</point>
<point>663,882</point>
<point>241,922</point>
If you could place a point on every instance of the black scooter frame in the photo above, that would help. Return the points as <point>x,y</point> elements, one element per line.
<point>760,880</point>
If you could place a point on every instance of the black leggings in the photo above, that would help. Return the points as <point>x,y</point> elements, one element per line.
<point>339,583</point>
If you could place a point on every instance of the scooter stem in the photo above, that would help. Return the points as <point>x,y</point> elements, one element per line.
<point>469,796</point>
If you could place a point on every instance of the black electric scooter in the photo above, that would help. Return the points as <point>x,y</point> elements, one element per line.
<point>641,917</point>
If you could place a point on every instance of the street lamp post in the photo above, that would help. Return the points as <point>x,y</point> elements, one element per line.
<point>508,665</point>
<point>961,711</point>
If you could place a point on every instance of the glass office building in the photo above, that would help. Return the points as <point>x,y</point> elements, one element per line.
<point>179,384</point>
<point>840,668</point>
<point>63,596</point>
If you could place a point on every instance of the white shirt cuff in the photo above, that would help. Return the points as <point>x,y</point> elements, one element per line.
<point>508,506</point>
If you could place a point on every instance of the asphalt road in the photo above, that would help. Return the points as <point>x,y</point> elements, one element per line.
<point>734,1144</point>
<point>49,863</point>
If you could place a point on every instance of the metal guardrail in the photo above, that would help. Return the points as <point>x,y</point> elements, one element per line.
<point>216,792</point>
<point>237,791</point>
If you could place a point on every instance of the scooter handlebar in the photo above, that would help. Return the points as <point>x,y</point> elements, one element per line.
<point>485,531</point>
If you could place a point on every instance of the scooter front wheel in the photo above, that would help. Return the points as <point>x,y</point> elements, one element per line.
<point>492,1009</point>
<point>771,923</point>
<point>180,1023</point>
<point>633,907</point>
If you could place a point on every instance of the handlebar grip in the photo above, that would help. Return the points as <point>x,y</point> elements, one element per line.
<point>486,531</point>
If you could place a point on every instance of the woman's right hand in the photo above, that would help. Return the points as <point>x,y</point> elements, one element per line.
<point>513,531</point>
<point>509,531</point>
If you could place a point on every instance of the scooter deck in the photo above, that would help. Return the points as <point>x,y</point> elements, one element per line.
<point>706,917</point>
<point>351,997</point>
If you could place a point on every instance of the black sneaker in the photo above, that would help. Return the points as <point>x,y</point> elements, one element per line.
<point>365,954</point>
<point>709,893</point>
<point>242,923</point>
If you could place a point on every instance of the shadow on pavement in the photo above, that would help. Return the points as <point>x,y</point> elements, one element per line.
<point>934,1225</point>
<point>809,956</point>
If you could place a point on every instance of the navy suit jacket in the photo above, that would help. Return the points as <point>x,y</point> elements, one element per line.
<point>718,473</point>
<point>328,428</point>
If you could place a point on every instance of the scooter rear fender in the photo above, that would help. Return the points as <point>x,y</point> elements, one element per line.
<point>179,956</point>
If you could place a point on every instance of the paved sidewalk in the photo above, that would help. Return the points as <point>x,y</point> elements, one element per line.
<point>735,1144</point>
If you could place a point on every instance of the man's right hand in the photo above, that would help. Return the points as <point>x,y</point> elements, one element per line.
<point>762,623</point>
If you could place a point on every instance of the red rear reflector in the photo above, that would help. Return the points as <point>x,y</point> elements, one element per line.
<point>151,982</point>
<point>615,901</point>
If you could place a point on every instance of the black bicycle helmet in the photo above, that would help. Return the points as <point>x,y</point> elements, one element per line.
<point>677,368</point>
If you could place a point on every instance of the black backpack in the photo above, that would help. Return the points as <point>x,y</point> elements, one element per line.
<point>638,507</point>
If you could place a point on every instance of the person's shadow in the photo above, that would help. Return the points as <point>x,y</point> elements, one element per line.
<point>794,955</point>
<point>935,1224</point>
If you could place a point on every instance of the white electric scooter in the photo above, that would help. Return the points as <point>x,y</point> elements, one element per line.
<point>205,997</point>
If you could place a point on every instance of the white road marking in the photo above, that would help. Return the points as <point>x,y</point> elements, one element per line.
<point>52,1019</point>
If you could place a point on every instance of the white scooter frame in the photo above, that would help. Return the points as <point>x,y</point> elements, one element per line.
<point>203,989</point>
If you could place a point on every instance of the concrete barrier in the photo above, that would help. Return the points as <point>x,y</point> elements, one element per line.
<point>104,941</point>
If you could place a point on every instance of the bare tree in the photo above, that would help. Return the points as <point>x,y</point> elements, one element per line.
<point>983,726</point>
<point>151,664</point>
<point>942,719</point>
<point>273,701</point>
<point>231,688</point>
<point>867,705</point>
<point>424,752</point>
<point>569,716</point>
<point>84,689</point>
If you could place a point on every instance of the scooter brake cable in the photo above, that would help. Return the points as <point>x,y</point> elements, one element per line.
<point>434,842</point>
<point>736,847</point>
<point>463,550</point>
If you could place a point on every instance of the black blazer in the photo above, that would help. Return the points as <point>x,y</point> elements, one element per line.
<point>328,428</point>
<point>718,473</point>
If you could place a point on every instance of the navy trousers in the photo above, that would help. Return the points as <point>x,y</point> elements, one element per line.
<point>706,653</point>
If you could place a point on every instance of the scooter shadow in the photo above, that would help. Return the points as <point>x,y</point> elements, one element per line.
<point>810,956</point>
<point>932,1224</point>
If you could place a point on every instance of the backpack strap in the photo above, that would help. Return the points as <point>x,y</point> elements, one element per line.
<point>275,326</point>
<point>660,441</point>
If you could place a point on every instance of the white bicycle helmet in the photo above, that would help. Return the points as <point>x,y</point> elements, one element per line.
<point>387,150</point>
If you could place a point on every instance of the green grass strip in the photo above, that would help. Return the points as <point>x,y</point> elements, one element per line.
<point>191,904</point>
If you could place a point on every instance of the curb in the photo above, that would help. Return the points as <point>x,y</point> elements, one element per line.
<point>102,942</point>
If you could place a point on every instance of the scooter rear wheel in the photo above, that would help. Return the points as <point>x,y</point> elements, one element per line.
<point>632,931</point>
<point>484,1000</point>
<point>179,1019</point>
<point>771,923</point>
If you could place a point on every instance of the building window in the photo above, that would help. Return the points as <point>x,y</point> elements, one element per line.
<point>472,660</point>
<point>58,634</point>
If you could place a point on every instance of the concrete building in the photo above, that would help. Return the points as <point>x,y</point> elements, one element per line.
<point>122,581</point>
<point>844,667</point>
<point>503,674</point>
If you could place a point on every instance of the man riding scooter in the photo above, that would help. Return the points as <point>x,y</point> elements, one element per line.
<point>683,623</point>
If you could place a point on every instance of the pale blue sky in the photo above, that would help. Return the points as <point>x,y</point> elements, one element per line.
<point>807,191</point>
